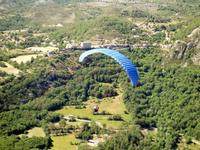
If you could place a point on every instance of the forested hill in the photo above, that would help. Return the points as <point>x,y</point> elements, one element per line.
<point>43,86</point>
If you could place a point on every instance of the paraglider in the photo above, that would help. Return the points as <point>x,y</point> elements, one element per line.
<point>127,65</point>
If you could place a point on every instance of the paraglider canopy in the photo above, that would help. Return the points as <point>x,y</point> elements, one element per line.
<point>127,65</point>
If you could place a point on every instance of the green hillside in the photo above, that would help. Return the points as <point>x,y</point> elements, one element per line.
<point>47,97</point>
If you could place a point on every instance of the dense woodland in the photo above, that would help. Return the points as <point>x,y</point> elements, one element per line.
<point>167,98</point>
<point>163,100</point>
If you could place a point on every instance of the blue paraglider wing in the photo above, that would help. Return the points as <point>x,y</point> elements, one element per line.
<point>127,65</point>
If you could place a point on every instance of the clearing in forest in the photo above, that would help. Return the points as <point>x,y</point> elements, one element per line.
<point>112,105</point>
<point>43,50</point>
<point>10,69</point>
<point>64,142</point>
<point>36,131</point>
<point>24,58</point>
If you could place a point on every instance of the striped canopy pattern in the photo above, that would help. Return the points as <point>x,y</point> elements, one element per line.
<point>127,64</point>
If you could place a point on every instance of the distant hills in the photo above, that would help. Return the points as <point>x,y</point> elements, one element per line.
<point>5,4</point>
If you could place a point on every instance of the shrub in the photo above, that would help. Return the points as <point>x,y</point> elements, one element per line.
<point>2,64</point>
<point>115,118</point>
<point>102,113</point>
<point>85,118</point>
<point>80,107</point>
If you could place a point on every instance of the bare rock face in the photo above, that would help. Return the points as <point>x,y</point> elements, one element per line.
<point>196,58</point>
<point>178,50</point>
<point>195,37</point>
<point>181,49</point>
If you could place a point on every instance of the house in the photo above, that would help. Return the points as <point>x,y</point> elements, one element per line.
<point>95,109</point>
<point>86,45</point>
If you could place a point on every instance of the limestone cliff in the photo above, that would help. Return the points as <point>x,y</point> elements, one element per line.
<point>188,49</point>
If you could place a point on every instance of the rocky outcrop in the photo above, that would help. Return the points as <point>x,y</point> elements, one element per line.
<point>178,50</point>
<point>196,58</point>
<point>189,49</point>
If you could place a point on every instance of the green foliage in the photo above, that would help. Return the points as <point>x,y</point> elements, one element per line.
<point>168,98</point>
<point>17,121</point>
<point>5,55</point>
<point>101,26</point>
<point>158,19</point>
<point>164,100</point>
<point>102,91</point>
<point>128,140</point>
<point>115,117</point>
<point>135,13</point>
<point>139,14</point>
<point>159,37</point>
<point>51,117</point>
<point>13,142</point>
<point>32,41</point>
<point>3,74</point>
<point>2,64</point>
<point>186,28</point>
<point>14,22</point>
<point>87,131</point>
<point>61,1</point>
<point>31,86</point>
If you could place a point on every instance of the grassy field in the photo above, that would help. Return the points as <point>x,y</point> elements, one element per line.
<point>43,50</point>
<point>184,146</point>
<point>10,69</point>
<point>88,113</point>
<point>24,58</point>
<point>64,142</point>
<point>112,105</point>
<point>36,131</point>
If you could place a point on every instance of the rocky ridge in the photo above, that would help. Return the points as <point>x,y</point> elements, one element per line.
<point>188,49</point>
